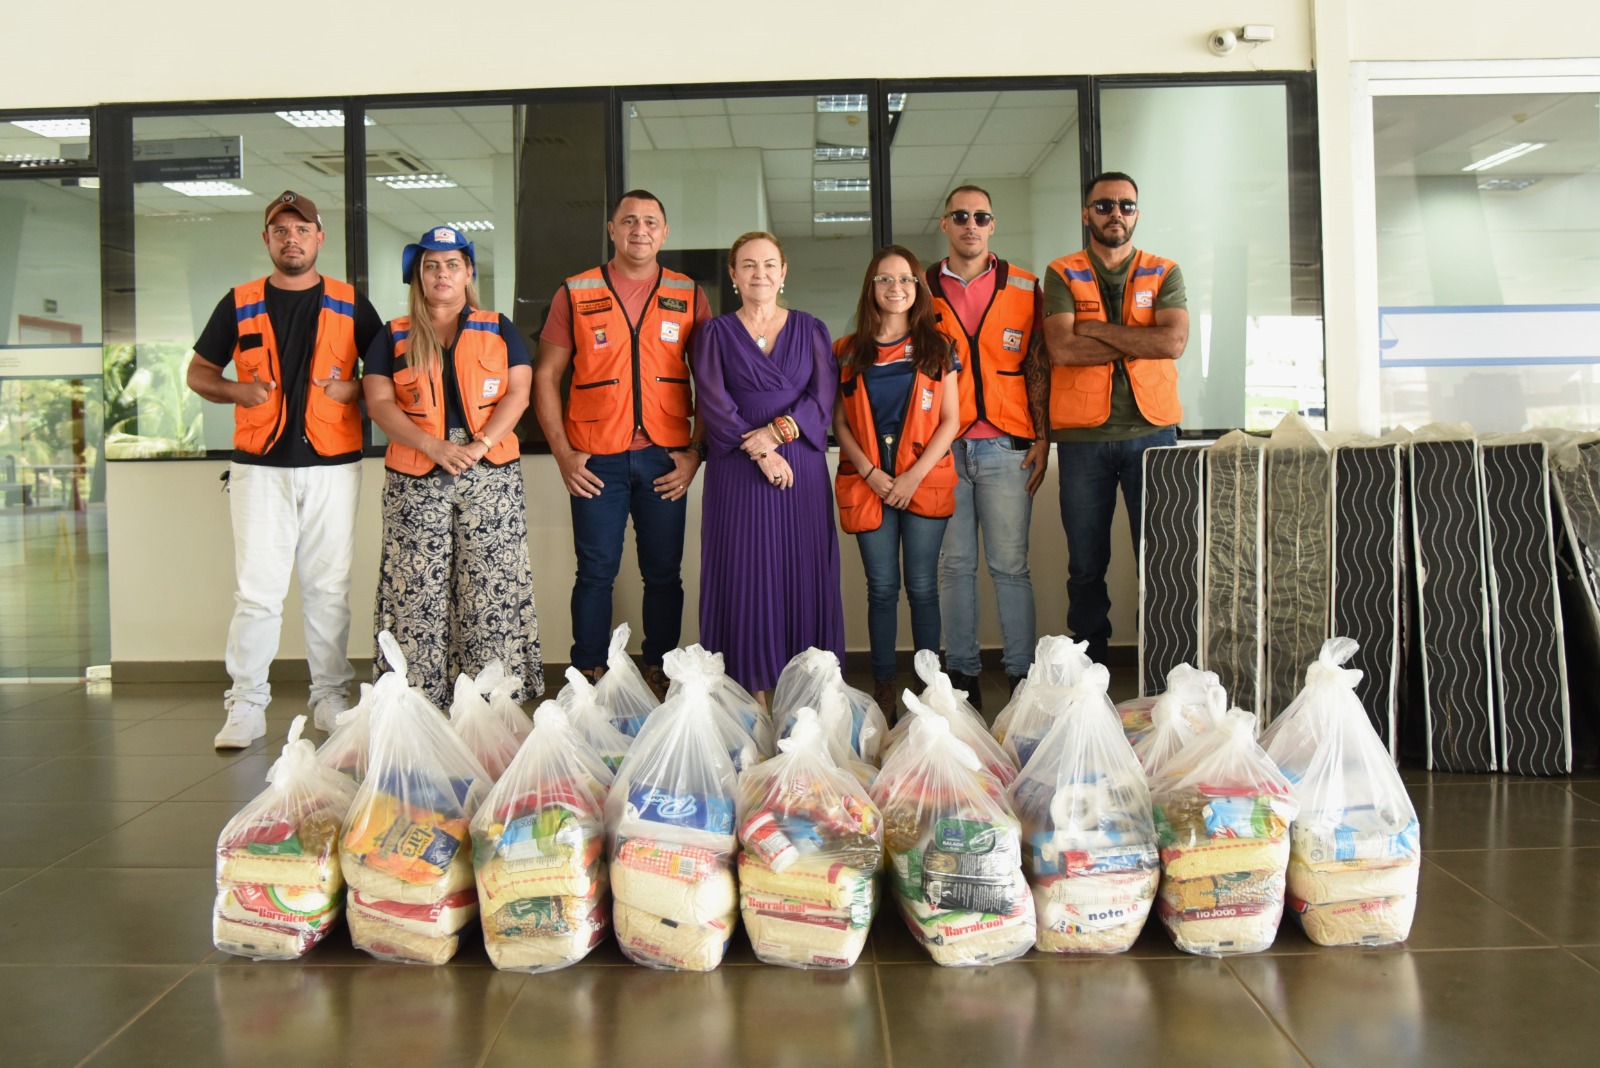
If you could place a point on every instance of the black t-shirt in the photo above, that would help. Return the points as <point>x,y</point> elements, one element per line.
<point>293,313</point>
<point>380,361</point>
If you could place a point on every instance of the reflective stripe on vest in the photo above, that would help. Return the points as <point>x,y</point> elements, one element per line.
<point>628,376</point>
<point>1081,396</point>
<point>860,507</point>
<point>482,375</point>
<point>993,384</point>
<point>331,428</point>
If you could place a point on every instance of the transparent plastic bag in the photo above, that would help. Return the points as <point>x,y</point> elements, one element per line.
<point>501,690</point>
<point>953,846</point>
<point>1089,841</point>
<point>670,824</point>
<point>1222,814</point>
<point>802,683</point>
<point>485,733</point>
<point>1057,661</point>
<point>1191,687</point>
<point>730,701</point>
<point>837,723</point>
<point>811,842</point>
<point>941,698</point>
<point>622,690</point>
<point>592,722</point>
<point>279,887</point>
<point>405,848</point>
<point>1035,713</point>
<point>1188,709</point>
<point>1355,847</point>
<point>538,851</point>
<point>345,749</point>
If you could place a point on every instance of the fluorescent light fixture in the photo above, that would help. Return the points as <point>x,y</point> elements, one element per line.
<point>55,127</point>
<point>89,182</point>
<point>842,216</point>
<point>1506,185</point>
<point>208,189</point>
<point>318,118</point>
<point>28,159</point>
<point>1505,155</point>
<point>416,181</point>
<point>827,153</point>
<point>841,185</point>
<point>856,102</point>
<point>471,225</point>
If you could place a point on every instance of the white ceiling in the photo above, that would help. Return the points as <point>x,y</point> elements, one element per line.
<point>1435,136</point>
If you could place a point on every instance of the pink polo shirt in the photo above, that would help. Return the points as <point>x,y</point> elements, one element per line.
<point>969,300</point>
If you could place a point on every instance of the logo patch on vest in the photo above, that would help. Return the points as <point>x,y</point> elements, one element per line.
<point>594,307</point>
<point>669,332</point>
<point>336,372</point>
<point>1011,340</point>
<point>927,399</point>
<point>600,341</point>
<point>1144,298</point>
<point>1087,307</point>
<point>672,304</point>
<point>491,387</point>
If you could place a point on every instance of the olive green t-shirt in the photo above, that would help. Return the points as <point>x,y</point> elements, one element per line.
<point>1125,421</point>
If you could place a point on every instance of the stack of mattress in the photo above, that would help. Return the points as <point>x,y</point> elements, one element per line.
<point>1234,585</point>
<point>1171,562</point>
<point>1297,530</point>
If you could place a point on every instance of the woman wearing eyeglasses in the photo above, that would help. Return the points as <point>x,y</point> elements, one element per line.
<point>765,377</point>
<point>447,384</point>
<point>897,412</point>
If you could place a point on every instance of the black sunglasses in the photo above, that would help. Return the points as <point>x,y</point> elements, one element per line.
<point>960,217</point>
<point>1104,206</point>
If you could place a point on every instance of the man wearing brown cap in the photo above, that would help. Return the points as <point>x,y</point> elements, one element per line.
<point>294,338</point>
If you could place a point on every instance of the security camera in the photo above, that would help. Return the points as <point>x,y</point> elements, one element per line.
<point>1222,42</point>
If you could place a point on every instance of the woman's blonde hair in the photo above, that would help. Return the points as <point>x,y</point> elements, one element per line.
<point>754,235</point>
<point>424,352</point>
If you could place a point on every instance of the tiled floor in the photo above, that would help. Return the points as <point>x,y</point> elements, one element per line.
<point>112,804</point>
<point>54,619</point>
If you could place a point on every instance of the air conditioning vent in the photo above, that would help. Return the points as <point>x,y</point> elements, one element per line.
<point>379,163</point>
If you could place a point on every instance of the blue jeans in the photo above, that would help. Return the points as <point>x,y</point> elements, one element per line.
<point>1091,471</point>
<point>598,526</point>
<point>917,538</point>
<point>991,493</point>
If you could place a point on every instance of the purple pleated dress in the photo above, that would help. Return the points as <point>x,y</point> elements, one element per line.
<point>769,557</point>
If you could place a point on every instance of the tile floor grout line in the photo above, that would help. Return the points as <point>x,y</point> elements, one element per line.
<point>1276,1023</point>
<point>500,1030</point>
<point>1473,889</point>
<point>883,1011</point>
<point>119,1032</point>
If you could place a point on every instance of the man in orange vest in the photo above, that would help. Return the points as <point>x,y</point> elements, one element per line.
<point>625,440</point>
<point>990,310</point>
<point>1115,322</point>
<point>294,338</point>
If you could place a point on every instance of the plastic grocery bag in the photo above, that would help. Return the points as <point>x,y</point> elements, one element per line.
<point>405,848</point>
<point>837,724</point>
<point>801,685</point>
<point>279,888</point>
<point>1187,709</point>
<point>941,698</point>
<point>1089,842</point>
<point>670,823</point>
<point>1057,661</point>
<point>501,690</point>
<point>1035,712</point>
<point>1222,814</point>
<point>345,749</point>
<point>732,703</point>
<point>1191,687</point>
<point>953,846</point>
<point>811,842</point>
<point>480,727</point>
<point>538,851</point>
<point>592,722</point>
<point>1355,847</point>
<point>622,690</point>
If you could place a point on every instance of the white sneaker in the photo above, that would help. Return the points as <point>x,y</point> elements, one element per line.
<point>325,713</point>
<point>247,721</point>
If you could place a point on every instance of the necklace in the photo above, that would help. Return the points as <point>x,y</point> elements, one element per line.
<point>760,336</point>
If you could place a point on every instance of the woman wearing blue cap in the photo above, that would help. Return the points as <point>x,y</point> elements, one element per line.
<point>448,384</point>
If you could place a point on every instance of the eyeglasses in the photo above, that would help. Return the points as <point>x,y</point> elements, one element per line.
<point>1105,205</point>
<point>960,217</point>
<point>891,279</point>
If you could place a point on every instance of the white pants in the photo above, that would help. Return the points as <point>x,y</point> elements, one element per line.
<point>299,520</point>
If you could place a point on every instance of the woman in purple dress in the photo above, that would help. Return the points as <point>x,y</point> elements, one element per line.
<point>765,377</point>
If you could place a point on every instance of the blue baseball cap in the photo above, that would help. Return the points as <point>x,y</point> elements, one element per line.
<point>439,239</point>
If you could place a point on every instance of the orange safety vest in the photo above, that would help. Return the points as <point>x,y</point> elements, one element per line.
<point>992,384</point>
<point>626,376</point>
<point>1081,396</point>
<point>332,428</point>
<point>482,371</point>
<point>861,509</point>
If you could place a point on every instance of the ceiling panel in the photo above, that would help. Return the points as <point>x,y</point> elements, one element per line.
<point>708,131</point>
<point>668,133</point>
<point>945,101</point>
<point>774,131</point>
<point>1034,125</point>
<point>1002,161</point>
<point>928,162</point>
<point>938,128</point>
<point>648,109</point>
<point>789,163</point>
<point>789,190</point>
<point>773,105</point>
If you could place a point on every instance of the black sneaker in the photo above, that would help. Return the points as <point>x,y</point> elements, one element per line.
<point>1015,681</point>
<point>968,683</point>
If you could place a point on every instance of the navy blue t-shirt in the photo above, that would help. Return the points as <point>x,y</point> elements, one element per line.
<point>380,361</point>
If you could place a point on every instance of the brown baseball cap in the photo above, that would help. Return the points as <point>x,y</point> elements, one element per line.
<point>289,200</point>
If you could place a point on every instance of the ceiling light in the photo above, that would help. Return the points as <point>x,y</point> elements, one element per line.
<point>856,102</point>
<point>842,216</point>
<point>28,159</point>
<point>827,153</point>
<point>208,189</point>
<point>55,127</point>
<point>321,117</point>
<point>1506,185</point>
<point>841,185</point>
<point>416,181</point>
<point>1505,155</point>
<point>466,227</point>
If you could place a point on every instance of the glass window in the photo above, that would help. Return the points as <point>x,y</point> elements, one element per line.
<point>1216,194</point>
<point>1487,207</point>
<point>202,183</point>
<point>43,143</point>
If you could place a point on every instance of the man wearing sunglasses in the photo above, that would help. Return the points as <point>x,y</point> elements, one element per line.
<point>991,311</point>
<point>1115,322</point>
